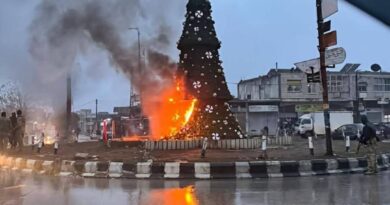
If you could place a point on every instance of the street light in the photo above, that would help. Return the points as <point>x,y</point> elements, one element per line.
<point>139,59</point>
<point>358,93</point>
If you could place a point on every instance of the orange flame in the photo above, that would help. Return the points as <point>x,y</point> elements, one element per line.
<point>169,112</point>
<point>182,196</point>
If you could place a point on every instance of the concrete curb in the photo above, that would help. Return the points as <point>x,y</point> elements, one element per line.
<point>195,170</point>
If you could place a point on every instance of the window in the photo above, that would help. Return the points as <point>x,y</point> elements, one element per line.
<point>248,97</point>
<point>294,86</point>
<point>387,118</point>
<point>338,83</point>
<point>382,84</point>
<point>306,122</point>
<point>362,86</point>
<point>311,88</point>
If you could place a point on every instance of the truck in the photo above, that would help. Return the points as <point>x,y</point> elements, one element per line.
<point>313,123</point>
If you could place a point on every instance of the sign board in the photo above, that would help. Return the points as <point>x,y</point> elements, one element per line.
<point>335,56</point>
<point>305,108</point>
<point>329,7</point>
<point>325,27</point>
<point>329,39</point>
<point>362,95</point>
<point>383,102</point>
<point>263,108</point>
<point>332,57</point>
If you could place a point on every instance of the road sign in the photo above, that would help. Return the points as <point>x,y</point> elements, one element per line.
<point>325,27</point>
<point>329,39</point>
<point>313,77</point>
<point>306,66</point>
<point>335,56</point>
<point>332,57</point>
<point>329,7</point>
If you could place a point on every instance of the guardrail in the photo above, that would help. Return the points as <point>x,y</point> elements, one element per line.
<point>253,143</point>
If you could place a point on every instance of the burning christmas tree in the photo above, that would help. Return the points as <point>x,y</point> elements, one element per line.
<point>203,76</point>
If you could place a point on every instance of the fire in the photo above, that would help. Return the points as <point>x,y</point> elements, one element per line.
<point>182,196</point>
<point>169,112</point>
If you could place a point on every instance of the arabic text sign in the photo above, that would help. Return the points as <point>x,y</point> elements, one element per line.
<point>332,57</point>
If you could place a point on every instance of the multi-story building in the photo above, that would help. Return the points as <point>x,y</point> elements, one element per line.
<point>282,95</point>
<point>87,121</point>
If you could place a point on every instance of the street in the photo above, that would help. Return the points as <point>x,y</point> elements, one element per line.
<point>17,188</point>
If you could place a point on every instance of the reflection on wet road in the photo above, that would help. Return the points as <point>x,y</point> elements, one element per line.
<point>17,188</point>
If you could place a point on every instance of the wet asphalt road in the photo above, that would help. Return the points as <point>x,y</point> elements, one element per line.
<point>18,188</point>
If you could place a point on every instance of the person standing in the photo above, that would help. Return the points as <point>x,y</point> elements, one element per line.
<point>12,135</point>
<point>369,138</point>
<point>20,128</point>
<point>5,129</point>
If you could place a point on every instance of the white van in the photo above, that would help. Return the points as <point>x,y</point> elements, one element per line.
<point>313,123</point>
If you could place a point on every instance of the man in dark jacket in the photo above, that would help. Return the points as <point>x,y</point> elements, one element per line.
<point>12,135</point>
<point>5,129</point>
<point>20,128</point>
<point>369,138</point>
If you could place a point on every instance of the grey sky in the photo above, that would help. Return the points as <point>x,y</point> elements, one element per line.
<point>255,34</point>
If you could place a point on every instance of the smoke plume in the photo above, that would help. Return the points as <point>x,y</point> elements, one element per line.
<point>64,30</point>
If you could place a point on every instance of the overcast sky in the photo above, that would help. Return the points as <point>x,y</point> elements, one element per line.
<point>255,34</point>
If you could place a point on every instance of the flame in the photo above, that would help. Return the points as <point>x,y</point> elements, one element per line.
<point>169,112</point>
<point>189,112</point>
<point>181,196</point>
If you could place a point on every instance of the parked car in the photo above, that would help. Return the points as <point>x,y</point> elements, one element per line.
<point>382,130</point>
<point>350,130</point>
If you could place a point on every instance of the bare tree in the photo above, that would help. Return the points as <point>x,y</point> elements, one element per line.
<point>11,98</point>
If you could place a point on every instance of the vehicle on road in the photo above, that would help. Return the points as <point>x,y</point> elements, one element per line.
<point>354,131</point>
<point>313,123</point>
<point>382,130</point>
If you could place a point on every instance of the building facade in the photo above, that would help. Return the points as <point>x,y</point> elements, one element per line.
<point>87,121</point>
<point>282,95</point>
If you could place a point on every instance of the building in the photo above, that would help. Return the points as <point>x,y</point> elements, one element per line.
<point>87,121</point>
<point>282,95</point>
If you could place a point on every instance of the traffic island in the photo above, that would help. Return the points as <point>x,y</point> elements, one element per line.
<point>132,162</point>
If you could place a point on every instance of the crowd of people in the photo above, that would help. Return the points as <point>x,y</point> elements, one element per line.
<point>12,131</point>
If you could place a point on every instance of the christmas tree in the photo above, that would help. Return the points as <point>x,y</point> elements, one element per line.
<point>203,75</point>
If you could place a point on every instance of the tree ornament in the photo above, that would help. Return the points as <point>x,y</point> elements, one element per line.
<point>215,136</point>
<point>197,84</point>
<point>199,14</point>
<point>209,109</point>
<point>209,55</point>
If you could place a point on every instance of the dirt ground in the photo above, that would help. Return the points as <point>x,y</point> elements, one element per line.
<point>298,151</point>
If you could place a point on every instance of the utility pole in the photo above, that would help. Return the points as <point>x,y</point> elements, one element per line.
<point>316,68</point>
<point>96,118</point>
<point>325,40</point>
<point>139,66</point>
<point>68,104</point>
<point>357,103</point>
